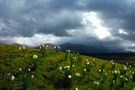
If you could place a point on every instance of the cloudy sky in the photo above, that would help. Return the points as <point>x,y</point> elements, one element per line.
<point>107,23</point>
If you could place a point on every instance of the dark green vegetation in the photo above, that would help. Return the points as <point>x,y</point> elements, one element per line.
<point>41,69</point>
<point>117,56</point>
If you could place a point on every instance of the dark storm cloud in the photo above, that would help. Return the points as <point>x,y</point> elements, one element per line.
<point>29,17</point>
<point>57,24</point>
<point>122,10</point>
<point>46,16</point>
<point>116,14</point>
<point>42,10</point>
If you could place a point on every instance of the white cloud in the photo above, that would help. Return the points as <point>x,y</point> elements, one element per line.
<point>102,32</point>
<point>128,45</point>
<point>130,50</point>
<point>40,38</point>
<point>121,31</point>
<point>92,27</point>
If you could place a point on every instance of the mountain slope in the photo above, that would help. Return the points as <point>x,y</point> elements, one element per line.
<point>42,69</point>
<point>90,48</point>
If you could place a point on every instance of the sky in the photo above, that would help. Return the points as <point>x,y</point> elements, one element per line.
<point>100,23</point>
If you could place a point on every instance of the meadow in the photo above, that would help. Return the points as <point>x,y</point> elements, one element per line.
<point>23,68</point>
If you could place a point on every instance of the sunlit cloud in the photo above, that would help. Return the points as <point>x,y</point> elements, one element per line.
<point>121,31</point>
<point>37,39</point>
<point>130,50</point>
<point>92,27</point>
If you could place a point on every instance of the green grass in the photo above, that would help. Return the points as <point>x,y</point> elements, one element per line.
<point>51,71</point>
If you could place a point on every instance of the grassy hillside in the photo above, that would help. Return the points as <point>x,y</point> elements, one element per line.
<point>24,68</point>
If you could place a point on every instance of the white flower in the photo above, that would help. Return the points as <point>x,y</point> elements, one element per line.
<point>76,88</point>
<point>23,47</point>
<point>113,81</point>
<point>60,68</point>
<point>78,74</point>
<point>118,72</point>
<point>32,76</point>
<point>68,51</point>
<point>115,71</point>
<point>20,69</point>
<point>74,57</point>
<point>85,70</point>
<point>28,69</point>
<point>121,76</point>
<point>73,65</point>
<point>88,62</point>
<point>40,47</point>
<point>111,60</point>
<point>47,46</point>
<point>58,47</point>
<point>20,48</point>
<point>54,47</point>
<point>65,67</point>
<point>43,45</point>
<point>12,77</point>
<point>69,76</point>
<point>35,56</point>
<point>126,79</point>
<point>99,70</point>
<point>96,82</point>
<point>125,68</point>
<point>113,63</point>
<point>68,67</point>
<point>131,76</point>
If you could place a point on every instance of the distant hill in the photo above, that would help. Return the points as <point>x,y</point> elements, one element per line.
<point>81,48</point>
<point>98,52</point>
